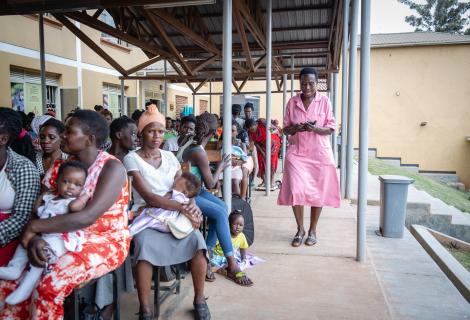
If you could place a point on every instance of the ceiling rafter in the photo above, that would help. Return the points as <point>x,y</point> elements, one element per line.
<point>239,23</point>
<point>93,46</point>
<point>176,53</point>
<point>181,76</point>
<point>143,65</point>
<point>205,63</point>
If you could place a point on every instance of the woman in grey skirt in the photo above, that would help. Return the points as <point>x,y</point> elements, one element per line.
<point>153,172</point>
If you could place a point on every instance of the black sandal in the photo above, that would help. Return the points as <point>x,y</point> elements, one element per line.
<point>311,240</point>
<point>201,311</point>
<point>298,239</point>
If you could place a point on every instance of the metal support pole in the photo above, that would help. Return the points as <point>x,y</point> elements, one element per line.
<point>210,96</point>
<point>292,77</point>
<point>344,100</point>
<point>284,103</point>
<point>78,53</point>
<point>351,98</point>
<point>42,57</point>
<point>194,104</point>
<point>123,110</point>
<point>363,131</point>
<point>268,94</point>
<point>165,89</point>
<point>334,104</point>
<point>227,98</point>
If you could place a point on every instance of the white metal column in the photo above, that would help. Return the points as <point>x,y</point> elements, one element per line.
<point>363,131</point>
<point>78,53</point>
<point>284,102</point>
<point>165,89</point>
<point>351,98</point>
<point>268,94</point>
<point>227,98</point>
<point>123,111</point>
<point>344,100</point>
<point>334,104</point>
<point>42,60</point>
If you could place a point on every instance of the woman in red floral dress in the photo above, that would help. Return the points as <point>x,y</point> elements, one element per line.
<point>104,221</point>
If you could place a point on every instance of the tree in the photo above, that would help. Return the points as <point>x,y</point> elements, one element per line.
<point>439,15</point>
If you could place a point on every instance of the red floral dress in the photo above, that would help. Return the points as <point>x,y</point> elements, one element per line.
<point>105,249</point>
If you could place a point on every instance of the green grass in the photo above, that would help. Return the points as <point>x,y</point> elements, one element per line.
<point>461,256</point>
<point>449,195</point>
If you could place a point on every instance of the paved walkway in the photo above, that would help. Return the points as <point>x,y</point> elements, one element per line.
<point>398,281</point>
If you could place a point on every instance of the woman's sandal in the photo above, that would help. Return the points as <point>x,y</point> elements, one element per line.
<point>297,241</point>
<point>201,311</point>
<point>237,277</point>
<point>311,240</point>
<point>144,316</point>
<point>210,276</point>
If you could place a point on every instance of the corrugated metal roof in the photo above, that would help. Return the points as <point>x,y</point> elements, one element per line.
<point>416,39</point>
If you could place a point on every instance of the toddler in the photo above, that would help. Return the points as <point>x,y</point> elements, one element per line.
<point>70,182</point>
<point>185,187</point>
<point>239,243</point>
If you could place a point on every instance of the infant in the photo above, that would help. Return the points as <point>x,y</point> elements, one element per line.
<point>70,182</point>
<point>185,187</point>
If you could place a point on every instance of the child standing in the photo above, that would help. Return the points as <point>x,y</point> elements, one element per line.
<point>185,187</point>
<point>71,178</point>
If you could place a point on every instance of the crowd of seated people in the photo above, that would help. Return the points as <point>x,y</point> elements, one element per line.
<point>35,152</point>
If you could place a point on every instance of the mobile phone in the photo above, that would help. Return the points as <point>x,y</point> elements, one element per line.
<point>312,122</point>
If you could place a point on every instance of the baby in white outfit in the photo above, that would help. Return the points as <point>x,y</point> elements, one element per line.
<point>70,182</point>
<point>185,186</point>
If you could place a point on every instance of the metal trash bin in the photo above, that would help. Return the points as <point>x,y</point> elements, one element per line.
<point>393,197</point>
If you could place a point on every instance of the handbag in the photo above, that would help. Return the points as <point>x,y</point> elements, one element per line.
<point>180,226</point>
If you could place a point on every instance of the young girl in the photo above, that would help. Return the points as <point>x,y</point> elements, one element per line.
<point>239,243</point>
<point>71,178</point>
<point>185,187</point>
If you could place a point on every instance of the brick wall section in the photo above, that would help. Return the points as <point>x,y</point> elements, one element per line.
<point>181,101</point>
<point>203,106</point>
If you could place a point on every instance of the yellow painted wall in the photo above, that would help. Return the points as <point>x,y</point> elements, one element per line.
<point>67,78</point>
<point>410,85</point>
<point>23,31</point>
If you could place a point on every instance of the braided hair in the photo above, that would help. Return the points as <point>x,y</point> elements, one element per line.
<point>10,123</point>
<point>206,124</point>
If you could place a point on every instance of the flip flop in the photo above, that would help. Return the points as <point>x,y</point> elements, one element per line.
<point>297,241</point>
<point>238,276</point>
<point>210,276</point>
<point>311,240</point>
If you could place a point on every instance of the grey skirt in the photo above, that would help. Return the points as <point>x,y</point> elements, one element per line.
<point>163,249</point>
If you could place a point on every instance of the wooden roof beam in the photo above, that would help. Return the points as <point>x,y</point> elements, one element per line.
<point>187,32</point>
<point>86,40</point>
<point>103,27</point>
<point>205,63</point>
<point>176,54</point>
<point>241,32</point>
<point>180,74</point>
<point>203,82</point>
<point>143,65</point>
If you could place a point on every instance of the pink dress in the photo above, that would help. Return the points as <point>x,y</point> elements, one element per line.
<point>310,176</point>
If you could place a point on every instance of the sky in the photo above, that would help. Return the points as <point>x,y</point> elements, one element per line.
<point>388,16</point>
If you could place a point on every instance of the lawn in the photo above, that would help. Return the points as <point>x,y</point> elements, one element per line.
<point>449,195</point>
<point>461,256</point>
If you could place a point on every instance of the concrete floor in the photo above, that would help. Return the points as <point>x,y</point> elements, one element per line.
<point>398,281</point>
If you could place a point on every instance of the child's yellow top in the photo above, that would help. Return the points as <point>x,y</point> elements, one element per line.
<point>238,242</point>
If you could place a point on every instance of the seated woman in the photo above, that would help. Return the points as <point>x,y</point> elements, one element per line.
<point>258,133</point>
<point>49,140</point>
<point>211,206</point>
<point>19,186</point>
<point>104,221</point>
<point>153,172</point>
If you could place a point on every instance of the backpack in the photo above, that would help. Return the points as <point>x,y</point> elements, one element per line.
<point>245,209</point>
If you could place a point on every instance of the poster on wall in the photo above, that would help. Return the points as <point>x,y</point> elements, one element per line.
<point>17,96</point>
<point>113,105</point>
<point>33,99</point>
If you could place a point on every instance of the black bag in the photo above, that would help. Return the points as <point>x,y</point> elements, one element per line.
<point>245,209</point>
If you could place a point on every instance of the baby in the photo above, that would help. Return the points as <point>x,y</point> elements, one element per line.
<point>70,182</point>
<point>239,243</point>
<point>186,186</point>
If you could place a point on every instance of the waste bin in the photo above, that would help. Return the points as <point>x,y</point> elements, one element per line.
<point>393,196</point>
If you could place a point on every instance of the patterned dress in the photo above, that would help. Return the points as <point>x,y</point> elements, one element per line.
<point>105,249</point>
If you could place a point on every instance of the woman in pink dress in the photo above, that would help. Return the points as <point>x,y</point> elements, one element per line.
<point>310,177</point>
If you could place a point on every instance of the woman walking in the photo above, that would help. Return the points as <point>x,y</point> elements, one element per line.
<point>310,177</point>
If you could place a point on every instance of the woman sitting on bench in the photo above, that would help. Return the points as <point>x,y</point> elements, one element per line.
<point>104,220</point>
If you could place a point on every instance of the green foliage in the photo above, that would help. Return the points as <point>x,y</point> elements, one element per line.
<point>439,16</point>
<point>449,195</point>
<point>461,256</point>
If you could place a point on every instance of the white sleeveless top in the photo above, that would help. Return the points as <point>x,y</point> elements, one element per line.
<point>7,193</point>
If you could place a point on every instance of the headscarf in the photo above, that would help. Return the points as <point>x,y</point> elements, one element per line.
<point>150,115</point>
<point>38,122</point>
